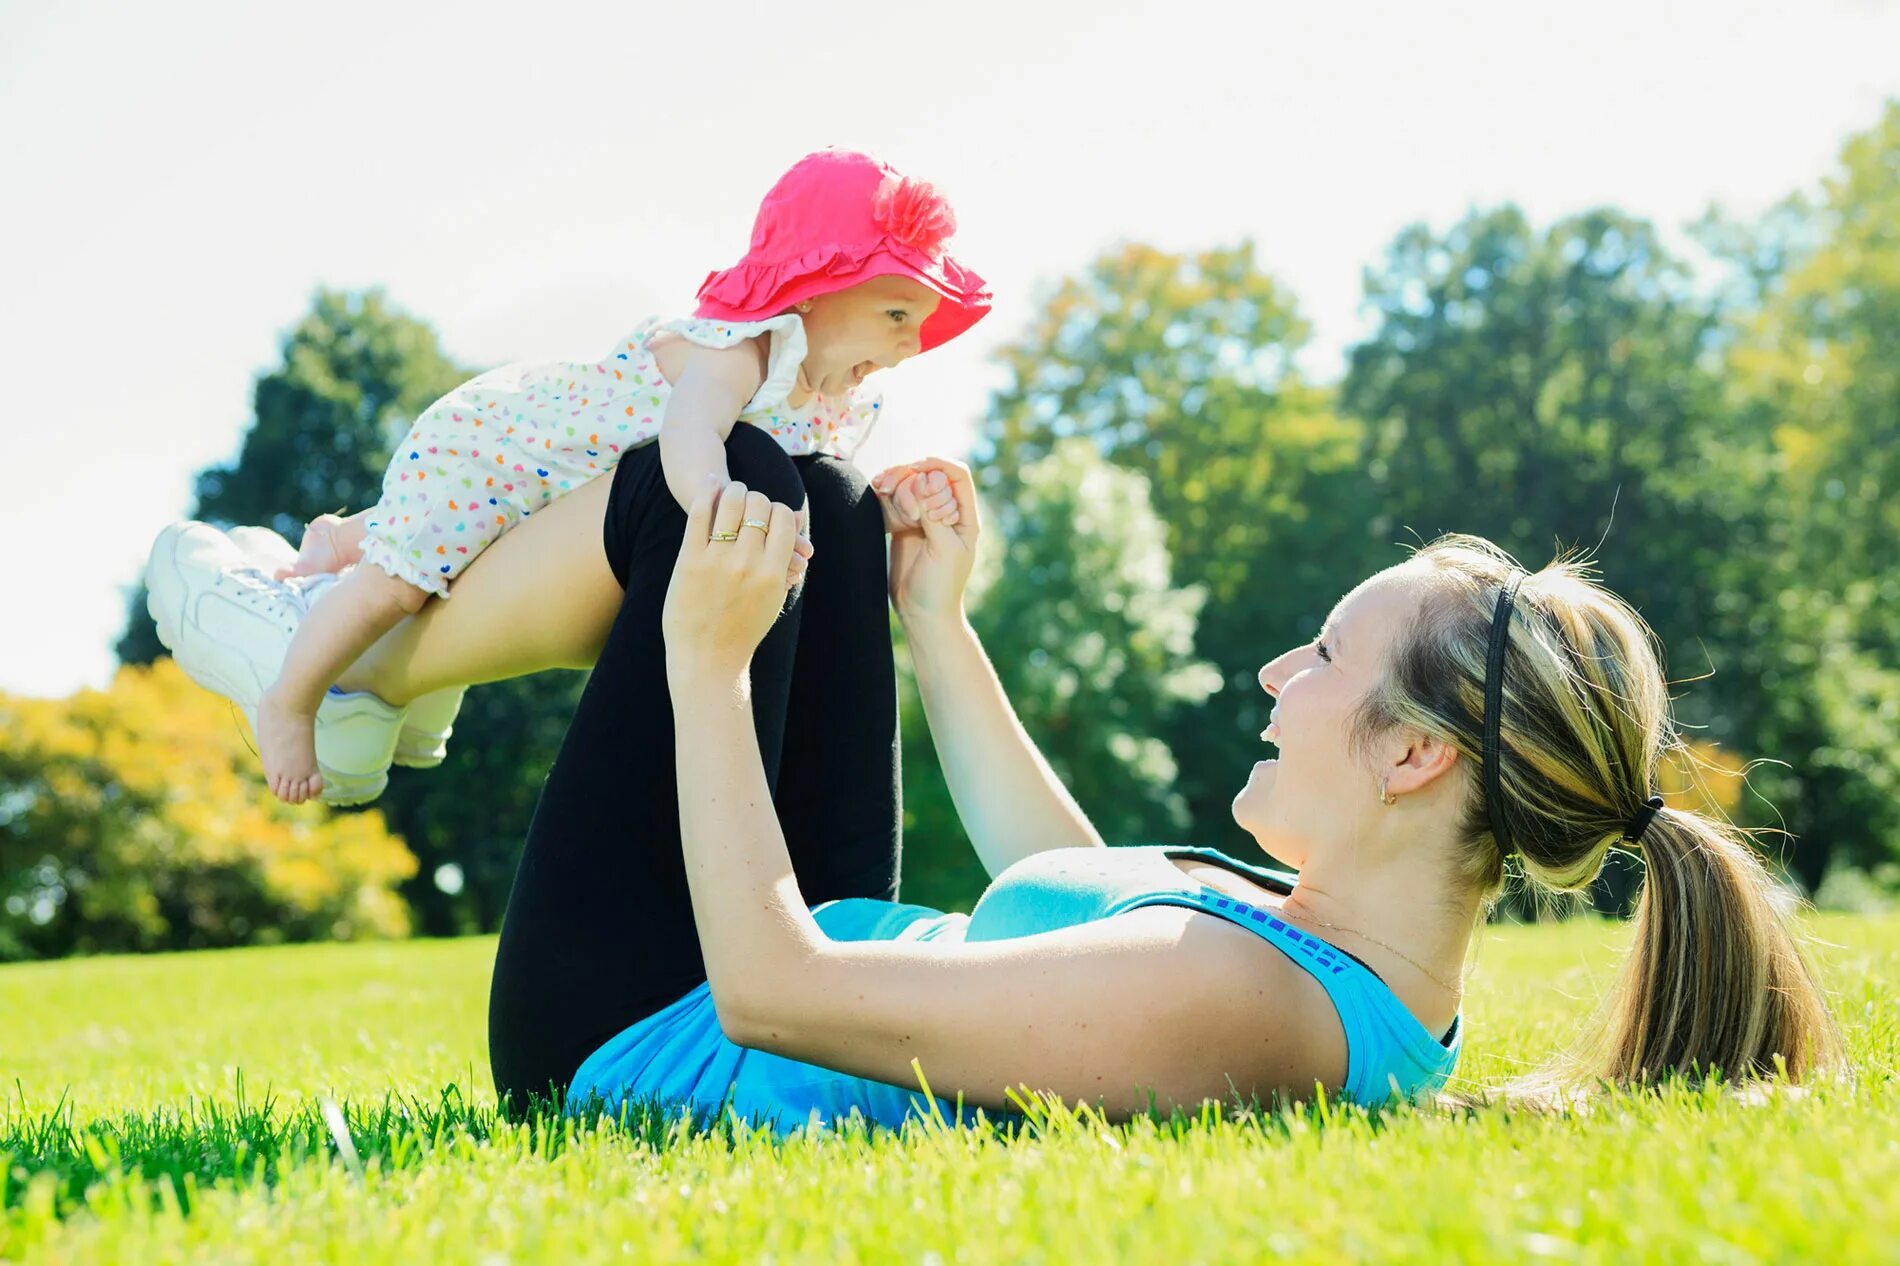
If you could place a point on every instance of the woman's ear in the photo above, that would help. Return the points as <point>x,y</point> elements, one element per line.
<point>1420,763</point>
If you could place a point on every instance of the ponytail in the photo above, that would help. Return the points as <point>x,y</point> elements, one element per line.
<point>1716,982</point>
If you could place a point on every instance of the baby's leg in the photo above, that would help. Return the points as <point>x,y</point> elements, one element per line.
<point>366,604</point>
<point>541,596</point>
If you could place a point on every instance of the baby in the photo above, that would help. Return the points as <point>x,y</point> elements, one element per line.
<point>847,274</point>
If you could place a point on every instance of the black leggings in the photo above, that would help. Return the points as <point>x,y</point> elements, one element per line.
<point>599,931</point>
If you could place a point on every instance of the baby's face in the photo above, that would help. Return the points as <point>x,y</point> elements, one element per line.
<point>857,331</point>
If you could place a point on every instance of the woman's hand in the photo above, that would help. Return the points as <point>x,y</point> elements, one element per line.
<point>728,586</point>
<point>930,569</point>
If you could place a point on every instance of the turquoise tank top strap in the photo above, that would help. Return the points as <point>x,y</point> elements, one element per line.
<point>1389,1054</point>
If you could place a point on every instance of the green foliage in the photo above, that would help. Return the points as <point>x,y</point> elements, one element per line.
<point>355,374</point>
<point>1811,359</point>
<point>1726,456</point>
<point>1180,368</point>
<point>1093,643</point>
<point>1557,389</point>
<point>1730,452</point>
<point>1092,640</point>
<point>131,819</point>
<point>174,1109</point>
<point>473,810</point>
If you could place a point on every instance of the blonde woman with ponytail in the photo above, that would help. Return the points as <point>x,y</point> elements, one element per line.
<point>1453,714</point>
<point>1551,687</point>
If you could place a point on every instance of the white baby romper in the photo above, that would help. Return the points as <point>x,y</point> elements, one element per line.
<point>510,441</point>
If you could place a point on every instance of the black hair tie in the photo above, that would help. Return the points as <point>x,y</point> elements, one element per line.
<point>1494,708</point>
<point>1640,820</point>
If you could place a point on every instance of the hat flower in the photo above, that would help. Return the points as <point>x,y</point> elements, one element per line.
<point>913,213</point>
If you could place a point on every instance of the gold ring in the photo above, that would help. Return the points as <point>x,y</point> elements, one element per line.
<point>760,524</point>
<point>723,536</point>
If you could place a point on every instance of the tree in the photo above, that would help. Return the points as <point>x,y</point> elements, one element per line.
<point>1811,353</point>
<point>355,374</point>
<point>1545,388</point>
<point>130,820</point>
<point>1181,368</point>
<point>1559,388</point>
<point>1094,646</point>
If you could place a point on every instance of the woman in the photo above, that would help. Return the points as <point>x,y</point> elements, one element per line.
<point>701,909</point>
<point>1450,709</point>
<point>1128,976</point>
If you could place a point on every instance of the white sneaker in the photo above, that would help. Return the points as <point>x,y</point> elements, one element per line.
<point>427,722</point>
<point>226,622</point>
<point>229,625</point>
<point>265,548</point>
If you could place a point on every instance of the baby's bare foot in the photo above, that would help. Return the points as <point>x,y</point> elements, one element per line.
<point>287,743</point>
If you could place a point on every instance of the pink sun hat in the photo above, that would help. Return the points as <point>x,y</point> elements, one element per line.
<point>838,218</point>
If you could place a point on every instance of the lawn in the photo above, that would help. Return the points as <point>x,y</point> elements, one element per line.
<point>189,1108</point>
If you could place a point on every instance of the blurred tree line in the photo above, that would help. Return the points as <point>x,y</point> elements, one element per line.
<point>1174,503</point>
<point>132,818</point>
<point>1729,451</point>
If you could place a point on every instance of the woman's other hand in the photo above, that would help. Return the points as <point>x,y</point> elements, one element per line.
<point>929,569</point>
<point>728,584</point>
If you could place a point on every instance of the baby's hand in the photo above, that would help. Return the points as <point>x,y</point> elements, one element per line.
<point>908,495</point>
<point>801,549</point>
<point>320,552</point>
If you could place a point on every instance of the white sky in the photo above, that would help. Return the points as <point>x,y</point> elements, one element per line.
<point>175,180</point>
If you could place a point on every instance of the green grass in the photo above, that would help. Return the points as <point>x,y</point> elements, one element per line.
<point>171,1109</point>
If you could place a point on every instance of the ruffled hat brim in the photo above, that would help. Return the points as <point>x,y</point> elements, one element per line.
<point>754,291</point>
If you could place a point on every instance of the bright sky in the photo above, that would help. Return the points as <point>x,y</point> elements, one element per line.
<point>532,180</point>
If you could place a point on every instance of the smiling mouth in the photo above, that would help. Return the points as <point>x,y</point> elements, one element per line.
<point>1272,733</point>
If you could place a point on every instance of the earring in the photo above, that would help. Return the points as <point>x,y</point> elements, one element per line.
<point>1383,797</point>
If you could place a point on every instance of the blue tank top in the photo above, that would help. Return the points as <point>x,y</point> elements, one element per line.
<point>678,1054</point>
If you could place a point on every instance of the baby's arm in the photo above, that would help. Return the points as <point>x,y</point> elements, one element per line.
<point>710,390</point>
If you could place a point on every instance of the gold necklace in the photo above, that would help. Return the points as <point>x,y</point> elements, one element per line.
<point>1456,990</point>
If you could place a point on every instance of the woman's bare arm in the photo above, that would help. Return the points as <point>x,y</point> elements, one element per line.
<point>1167,1002</point>
<point>1010,800</point>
